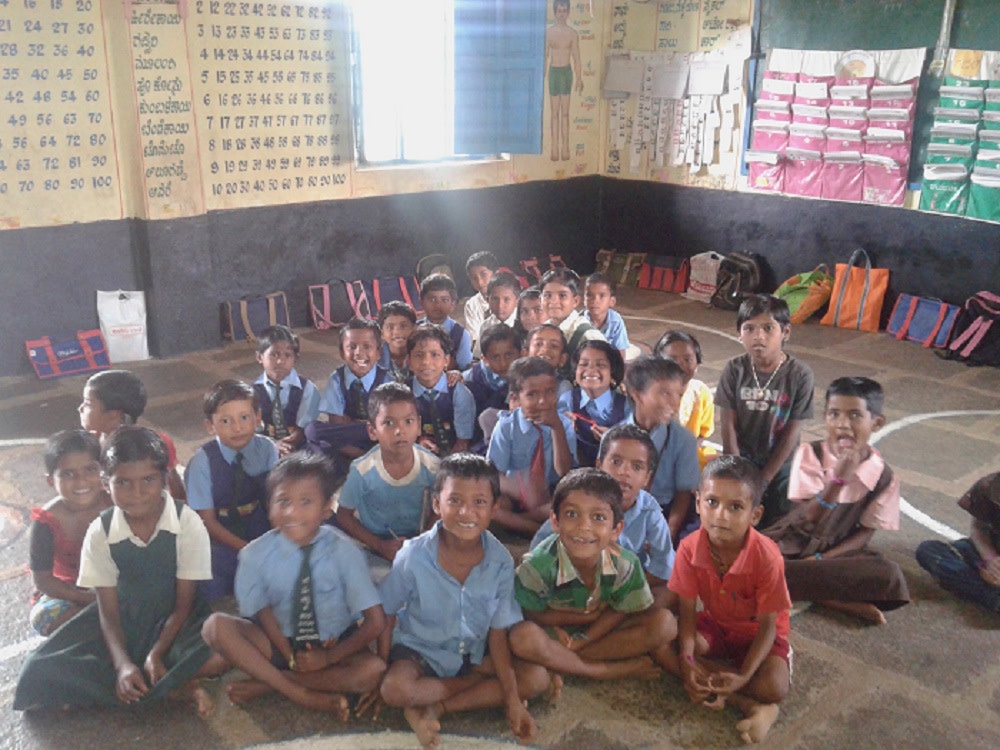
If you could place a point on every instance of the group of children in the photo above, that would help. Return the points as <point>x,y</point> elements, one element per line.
<point>397,592</point>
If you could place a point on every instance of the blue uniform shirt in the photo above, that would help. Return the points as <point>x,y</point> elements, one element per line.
<point>512,444</point>
<point>442,619</point>
<point>613,329</point>
<point>333,398</point>
<point>464,417</point>
<point>260,455</point>
<point>677,469</point>
<point>308,406</point>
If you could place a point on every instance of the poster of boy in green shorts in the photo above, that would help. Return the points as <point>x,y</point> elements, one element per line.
<point>562,50</point>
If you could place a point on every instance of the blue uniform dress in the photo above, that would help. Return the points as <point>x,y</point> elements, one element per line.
<point>449,416</point>
<point>268,576</point>
<point>447,622</point>
<point>211,485</point>
<point>512,445</point>
<point>342,398</point>
<point>607,410</point>
<point>645,534</point>
<point>299,402</point>
<point>73,667</point>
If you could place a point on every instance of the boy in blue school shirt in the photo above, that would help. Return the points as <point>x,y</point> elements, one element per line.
<point>345,398</point>
<point>528,468</point>
<point>397,321</point>
<point>450,601</point>
<point>599,298</point>
<point>438,296</point>
<point>225,479</point>
<point>627,454</point>
<point>382,502</point>
<point>447,411</point>
<point>288,402</point>
<point>295,641</point>
<point>487,380</point>
<point>655,387</point>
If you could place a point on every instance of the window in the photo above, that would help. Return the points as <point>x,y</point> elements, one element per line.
<point>446,79</point>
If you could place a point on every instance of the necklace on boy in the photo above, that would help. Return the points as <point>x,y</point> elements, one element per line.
<point>756,382</point>
<point>720,566</point>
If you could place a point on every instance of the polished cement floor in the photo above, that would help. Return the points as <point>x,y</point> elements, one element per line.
<point>930,678</point>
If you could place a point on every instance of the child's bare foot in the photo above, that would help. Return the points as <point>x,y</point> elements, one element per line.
<point>555,688</point>
<point>242,691</point>
<point>331,703</point>
<point>423,720</point>
<point>203,702</point>
<point>865,610</point>
<point>758,722</point>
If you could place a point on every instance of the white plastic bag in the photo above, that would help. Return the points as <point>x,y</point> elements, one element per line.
<point>123,324</point>
<point>704,271</point>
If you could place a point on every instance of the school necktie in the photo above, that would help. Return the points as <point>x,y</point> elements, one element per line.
<point>357,408</point>
<point>304,628</point>
<point>277,415</point>
<point>537,469</point>
<point>239,486</point>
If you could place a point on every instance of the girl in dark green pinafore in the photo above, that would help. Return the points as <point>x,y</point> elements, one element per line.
<point>141,639</point>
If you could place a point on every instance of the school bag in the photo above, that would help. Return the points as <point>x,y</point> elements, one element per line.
<point>703,277</point>
<point>396,289</point>
<point>329,304</point>
<point>926,320</point>
<point>247,317</point>
<point>665,273</point>
<point>434,263</point>
<point>740,274</point>
<point>976,338</point>
<point>54,357</point>
<point>806,293</point>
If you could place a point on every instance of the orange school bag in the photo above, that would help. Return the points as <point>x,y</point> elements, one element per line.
<point>858,294</point>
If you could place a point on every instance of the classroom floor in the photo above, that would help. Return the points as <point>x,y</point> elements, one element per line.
<point>928,679</point>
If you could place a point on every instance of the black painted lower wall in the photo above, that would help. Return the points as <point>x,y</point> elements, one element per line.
<point>48,276</point>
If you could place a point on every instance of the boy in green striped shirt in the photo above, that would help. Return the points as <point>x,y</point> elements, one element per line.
<point>586,597</point>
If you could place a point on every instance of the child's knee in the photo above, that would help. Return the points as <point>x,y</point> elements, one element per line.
<point>527,640</point>
<point>370,672</point>
<point>532,680</point>
<point>397,686</point>
<point>660,626</point>
<point>211,628</point>
<point>772,680</point>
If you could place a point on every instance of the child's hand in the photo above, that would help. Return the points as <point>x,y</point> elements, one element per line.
<point>284,447</point>
<point>598,431</point>
<point>312,658</point>
<point>425,442</point>
<point>154,667</point>
<point>991,571</point>
<point>724,683</point>
<point>521,722</point>
<point>388,548</point>
<point>563,637</point>
<point>370,701</point>
<point>847,463</point>
<point>454,377</point>
<point>130,685</point>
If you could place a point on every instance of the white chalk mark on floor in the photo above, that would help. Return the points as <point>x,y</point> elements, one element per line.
<point>683,325</point>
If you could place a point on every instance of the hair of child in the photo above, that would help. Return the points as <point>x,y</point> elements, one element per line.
<point>503,280</point>
<point>763,304</point>
<point>556,4</point>
<point>132,443</point>
<point>467,466</point>
<point>483,258</point>
<point>389,393</point>
<point>643,371</point>
<point>565,276</point>
<point>438,282</point>
<point>361,324</point>
<point>627,431</point>
<point>119,390</point>
<point>396,307</point>
<point>429,331</point>
<point>601,278</point>
<point>527,367</point>
<point>672,337</point>
<point>225,391</point>
<point>614,358</point>
<point>593,482</point>
<point>303,465</point>
<point>64,442</point>
<point>548,327</point>
<point>738,469</point>
<point>859,387</point>
<point>532,292</point>
<point>276,334</point>
<point>496,334</point>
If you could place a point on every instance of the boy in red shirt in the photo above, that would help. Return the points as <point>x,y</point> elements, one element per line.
<point>737,649</point>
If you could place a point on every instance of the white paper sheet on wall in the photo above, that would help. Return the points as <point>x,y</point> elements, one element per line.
<point>624,74</point>
<point>670,80</point>
<point>707,77</point>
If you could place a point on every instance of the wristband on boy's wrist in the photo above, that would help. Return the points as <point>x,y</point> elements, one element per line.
<point>985,562</point>
<point>838,481</point>
<point>823,503</point>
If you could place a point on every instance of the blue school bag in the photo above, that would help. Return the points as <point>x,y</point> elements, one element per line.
<point>924,320</point>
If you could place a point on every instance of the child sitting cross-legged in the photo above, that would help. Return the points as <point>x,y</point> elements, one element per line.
<point>447,408</point>
<point>736,650</point>
<point>586,591</point>
<point>842,491</point>
<point>627,453</point>
<point>595,404</point>
<point>450,601</point>
<point>532,445</point>
<point>72,465</point>
<point>225,479</point>
<point>344,434</point>
<point>302,587</point>
<point>383,501</point>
